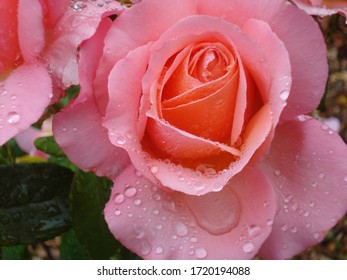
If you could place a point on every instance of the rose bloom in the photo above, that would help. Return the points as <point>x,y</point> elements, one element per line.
<point>38,52</point>
<point>196,110</point>
<point>323,7</point>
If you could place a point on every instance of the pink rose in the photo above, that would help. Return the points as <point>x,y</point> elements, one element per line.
<point>196,110</point>
<point>38,44</point>
<point>323,7</point>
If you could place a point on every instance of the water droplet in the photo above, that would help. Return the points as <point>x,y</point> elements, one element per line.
<point>312,204</point>
<point>64,129</point>
<point>278,173</point>
<point>120,140</point>
<point>294,229</point>
<point>137,202</point>
<point>130,191</point>
<point>345,178</point>
<point>284,246</point>
<point>157,197</point>
<point>74,129</point>
<point>13,118</point>
<point>269,222</point>
<point>266,203</point>
<point>314,184</point>
<point>284,227</point>
<point>254,230</point>
<point>154,169</point>
<point>284,95</point>
<point>118,198</point>
<point>155,211</point>
<point>13,97</point>
<point>169,205</point>
<point>248,247</point>
<point>159,250</point>
<point>306,214</point>
<point>50,96</point>
<point>158,226</point>
<point>193,239</point>
<point>4,93</point>
<point>117,212</point>
<point>19,84</point>
<point>295,206</point>
<point>316,236</point>
<point>181,229</point>
<point>324,127</point>
<point>145,247</point>
<point>224,216</point>
<point>321,175</point>
<point>200,253</point>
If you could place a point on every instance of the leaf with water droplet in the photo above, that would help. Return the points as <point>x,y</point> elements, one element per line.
<point>33,202</point>
<point>88,197</point>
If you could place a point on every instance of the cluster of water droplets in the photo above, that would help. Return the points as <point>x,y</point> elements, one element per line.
<point>8,109</point>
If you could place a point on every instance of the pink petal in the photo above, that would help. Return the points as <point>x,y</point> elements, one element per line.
<point>30,29</point>
<point>156,224</point>
<point>323,8</point>
<point>53,10</point>
<point>18,109</point>
<point>78,24</point>
<point>300,35</point>
<point>78,131</point>
<point>134,28</point>
<point>307,164</point>
<point>122,119</point>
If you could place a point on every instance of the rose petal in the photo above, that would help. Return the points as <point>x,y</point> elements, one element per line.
<point>9,48</point>
<point>157,224</point>
<point>30,29</point>
<point>18,109</point>
<point>78,131</point>
<point>323,8</point>
<point>130,36</point>
<point>307,164</point>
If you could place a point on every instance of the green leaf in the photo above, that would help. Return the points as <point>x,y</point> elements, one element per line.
<point>19,252</point>
<point>88,197</point>
<point>49,146</point>
<point>71,248</point>
<point>33,202</point>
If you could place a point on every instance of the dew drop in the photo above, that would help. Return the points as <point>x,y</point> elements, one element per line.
<point>74,129</point>
<point>169,205</point>
<point>120,140</point>
<point>145,247</point>
<point>137,202</point>
<point>154,169</point>
<point>316,236</point>
<point>284,95</point>
<point>193,239</point>
<point>269,222</point>
<point>294,229</point>
<point>284,246</point>
<point>158,226</point>
<point>312,204</point>
<point>159,250</point>
<point>118,198</point>
<point>130,191</point>
<point>306,214</point>
<point>155,211</point>
<point>13,118</point>
<point>321,175</point>
<point>284,227</point>
<point>278,173</point>
<point>324,127</point>
<point>314,184</point>
<point>248,247</point>
<point>117,212</point>
<point>157,197</point>
<point>200,253</point>
<point>181,229</point>
<point>254,230</point>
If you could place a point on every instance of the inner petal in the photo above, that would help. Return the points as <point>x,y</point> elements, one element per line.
<point>9,47</point>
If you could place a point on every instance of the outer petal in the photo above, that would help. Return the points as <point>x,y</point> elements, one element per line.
<point>18,109</point>
<point>78,24</point>
<point>30,28</point>
<point>155,224</point>
<point>299,33</point>
<point>307,163</point>
<point>334,7</point>
<point>78,128</point>
<point>79,133</point>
